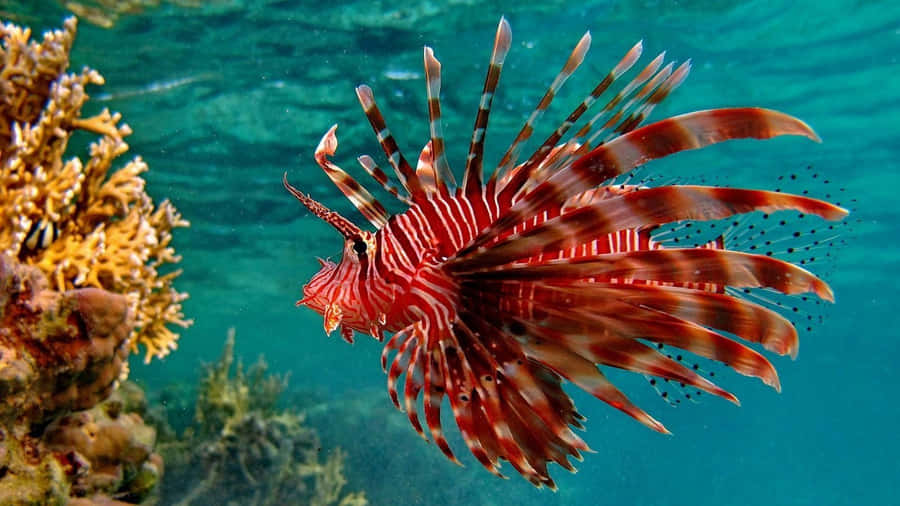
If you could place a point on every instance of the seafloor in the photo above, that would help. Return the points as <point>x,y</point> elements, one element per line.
<point>224,96</point>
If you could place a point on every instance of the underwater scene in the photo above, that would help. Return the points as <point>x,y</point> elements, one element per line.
<point>255,251</point>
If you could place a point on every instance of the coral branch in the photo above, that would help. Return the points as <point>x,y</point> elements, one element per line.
<point>80,223</point>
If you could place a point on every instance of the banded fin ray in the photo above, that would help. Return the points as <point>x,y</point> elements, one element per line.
<point>357,194</point>
<point>371,167</point>
<point>683,265</point>
<point>443,175</point>
<point>404,171</point>
<point>472,180</point>
<point>632,209</point>
<point>572,63</point>
<point>521,174</point>
<point>620,155</point>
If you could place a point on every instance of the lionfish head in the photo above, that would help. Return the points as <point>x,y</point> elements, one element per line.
<point>332,292</point>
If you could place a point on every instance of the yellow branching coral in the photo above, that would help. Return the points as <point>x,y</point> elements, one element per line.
<point>80,223</point>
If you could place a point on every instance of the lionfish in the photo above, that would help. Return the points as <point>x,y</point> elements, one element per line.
<point>498,288</point>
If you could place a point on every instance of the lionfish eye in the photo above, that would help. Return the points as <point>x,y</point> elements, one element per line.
<point>359,246</point>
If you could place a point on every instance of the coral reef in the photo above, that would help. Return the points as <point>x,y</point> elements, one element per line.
<point>84,279</point>
<point>105,13</point>
<point>242,449</point>
<point>108,449</point>
<point>60,352</point>
<point>78,223</point>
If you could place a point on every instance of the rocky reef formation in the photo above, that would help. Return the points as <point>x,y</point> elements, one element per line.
<point>242,449</point>
<point>58,351</point>
<point>85,277</point>
<point>61,352</point>
<point>81,223</point>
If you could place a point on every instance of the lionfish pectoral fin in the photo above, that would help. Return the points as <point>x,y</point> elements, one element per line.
<point>347,334</point>
<point>622,154</point>
<point>332,316</point>
<point>633,209</point>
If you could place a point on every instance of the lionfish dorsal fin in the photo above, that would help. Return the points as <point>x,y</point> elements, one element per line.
<point>538,157</point>
<point>632,113</point>
<point>621,97</point>
<point>622,113</point>
<point>527,176</point>
<point>508,161</point>
<point>621,110</point>
<point>672,82</point>
<point>372,168</point>
<point>346,227</point>
<point>475,160</point>
<point>405,173</point>
<point>425,169</point>
<point>622,154</point>
<point>442,172</point>
<point>367,205</point>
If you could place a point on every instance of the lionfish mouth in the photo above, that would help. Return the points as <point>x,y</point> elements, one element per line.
<point>566,263</point>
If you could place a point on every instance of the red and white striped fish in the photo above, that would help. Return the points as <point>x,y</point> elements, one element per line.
<point>497,289</point>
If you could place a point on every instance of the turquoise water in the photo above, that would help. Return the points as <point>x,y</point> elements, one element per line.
<point>223,99</point>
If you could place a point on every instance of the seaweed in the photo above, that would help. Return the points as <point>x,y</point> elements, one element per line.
<point>242,448</point>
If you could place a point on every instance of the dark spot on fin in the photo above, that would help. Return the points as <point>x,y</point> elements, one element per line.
<point>675,393</point>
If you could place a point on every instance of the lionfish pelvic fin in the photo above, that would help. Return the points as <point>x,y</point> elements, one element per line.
<point>333,315</point>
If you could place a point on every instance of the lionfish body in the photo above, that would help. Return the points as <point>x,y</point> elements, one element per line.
<point>497,289</point>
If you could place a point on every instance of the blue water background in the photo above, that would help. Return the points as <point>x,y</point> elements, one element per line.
<point>223,99</point>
